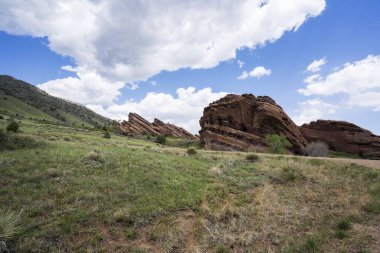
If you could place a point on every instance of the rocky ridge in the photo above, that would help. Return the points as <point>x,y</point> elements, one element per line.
<point>344,137</point>
<point>138,126</point>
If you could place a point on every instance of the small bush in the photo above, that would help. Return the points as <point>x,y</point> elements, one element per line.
<point>13,127</point>
<point>106,135</point>
<point>340,234</point>
<point>316,149</point>
<point>277,144</point>
<point>13,142</point>
<point>344,224</point>
<point>191,151</point>
<point>222,249</point>
<point>1,117</point>
<point>161,139</point>
<point>131,233</point>
<point>291,172</point>
<point>252,157</point>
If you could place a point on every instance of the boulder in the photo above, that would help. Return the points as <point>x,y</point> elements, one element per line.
<point>241,122</point>
<point>343,137</point>
<point>138,126</point>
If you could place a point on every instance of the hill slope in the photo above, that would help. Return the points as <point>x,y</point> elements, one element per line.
<point>19,98</point>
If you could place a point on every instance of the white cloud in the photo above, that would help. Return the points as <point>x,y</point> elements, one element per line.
<point>243,75</point>
<point>313,109</point>
<point>130,41</point>
<point>88,89</point>
<point>359,80</point>
<point>240,63</point>
<point>153,83</point>
<point>184,110</point>
<point>257,72</point>
<point>316,65</point>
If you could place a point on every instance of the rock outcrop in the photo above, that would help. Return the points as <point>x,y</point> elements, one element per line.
<point>344,137</point>
<point>138,126</point>
<point>241,122</point>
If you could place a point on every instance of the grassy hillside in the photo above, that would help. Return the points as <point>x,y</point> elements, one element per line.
<point>82,193</point>
<point>26,100</point>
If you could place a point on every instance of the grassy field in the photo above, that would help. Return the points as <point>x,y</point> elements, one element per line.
<point>80,192</point>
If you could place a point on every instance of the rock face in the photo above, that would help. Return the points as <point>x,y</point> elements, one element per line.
<point>241,122</point>
<point>138,126</point>
<point>344,137</point>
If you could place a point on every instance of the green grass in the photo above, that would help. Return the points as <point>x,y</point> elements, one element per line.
<point>82,192</point>
<point>12,107</point>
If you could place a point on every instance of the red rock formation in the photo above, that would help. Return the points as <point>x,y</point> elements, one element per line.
<point>138,126</point>
<point>241,122</point>
<point>344,137</point>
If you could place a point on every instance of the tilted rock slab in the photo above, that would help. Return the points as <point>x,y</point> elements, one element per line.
<point>344,137</point>
<point>138,126</point>
<point>241,122</point>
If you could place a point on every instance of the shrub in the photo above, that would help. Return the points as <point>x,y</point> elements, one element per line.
<point>316,149</point>
<point>340,234</point>
<point>277,144</point>
<point>161,139</point>
<point>191,151</point>
<point>104,129</point>
<point>13,126</point>
<point>344,224</point>
<point>106,135</point>
<point>1,117</point>
<point>291,172</point>
<point>252,157</point>
<point>13,142</point>
<point>131,233</point>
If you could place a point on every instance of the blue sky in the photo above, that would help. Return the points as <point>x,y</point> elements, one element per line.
<point>340,32</point>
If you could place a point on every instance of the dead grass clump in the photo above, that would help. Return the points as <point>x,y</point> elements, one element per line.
<point>95,155</point>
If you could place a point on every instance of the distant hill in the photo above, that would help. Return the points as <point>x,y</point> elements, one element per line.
<point>23,100</point>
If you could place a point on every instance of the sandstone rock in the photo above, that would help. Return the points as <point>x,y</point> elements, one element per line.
<point>138,126</point>
<point>241,122</point>
<point>344,137</point>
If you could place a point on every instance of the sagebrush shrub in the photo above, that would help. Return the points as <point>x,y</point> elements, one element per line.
<point>161,139</point>
<point>252,157</point>
<point>13,142</point>
<point>13,127</point>
<point>106,135</point>
<point>316,149</point>
<point>277,144</point>
<point>191,151</point>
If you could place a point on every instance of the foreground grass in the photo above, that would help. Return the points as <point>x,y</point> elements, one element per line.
<point>83,193</point>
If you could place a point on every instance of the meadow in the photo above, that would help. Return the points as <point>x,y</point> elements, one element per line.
<point>80,192</point>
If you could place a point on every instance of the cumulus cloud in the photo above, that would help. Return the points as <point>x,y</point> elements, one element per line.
<point>257,72</point>
<point>134,40</point>
<point>184,110</point>
<point>313,109</point>
<point>118,43</point>
<point>359,81</point>
<point>316,65</point>
<point>88,89</point>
